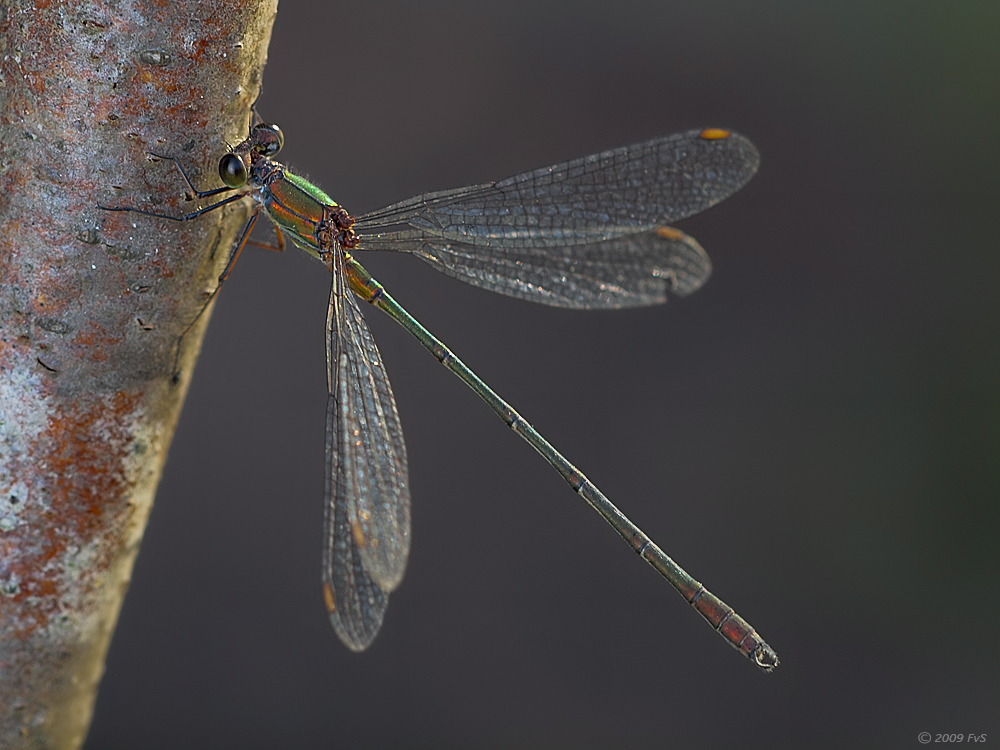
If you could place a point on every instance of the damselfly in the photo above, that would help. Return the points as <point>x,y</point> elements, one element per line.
<point>587,233</point>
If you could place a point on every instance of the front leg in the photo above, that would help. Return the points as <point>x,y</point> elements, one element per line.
<point>196,191</point>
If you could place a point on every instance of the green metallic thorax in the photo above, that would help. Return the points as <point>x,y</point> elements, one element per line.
<point>307,187</point>
<point>296,207</point>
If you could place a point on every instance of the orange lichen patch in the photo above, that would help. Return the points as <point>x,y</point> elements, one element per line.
<point>165,271</point>
<point>86,451</point>
<point>96,342</point>
<point>714,134</point>
<point>328,599</point>
<point>669,233</point>
<point>359,535</point>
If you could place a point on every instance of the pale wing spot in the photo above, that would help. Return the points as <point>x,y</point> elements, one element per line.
<point>328,598</point>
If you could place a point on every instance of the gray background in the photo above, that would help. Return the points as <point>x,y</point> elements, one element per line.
<point>814,434</point>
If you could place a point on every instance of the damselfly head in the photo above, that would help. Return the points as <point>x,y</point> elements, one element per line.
<point>265,140</point>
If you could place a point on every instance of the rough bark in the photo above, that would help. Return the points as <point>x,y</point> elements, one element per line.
<point>91,306</point>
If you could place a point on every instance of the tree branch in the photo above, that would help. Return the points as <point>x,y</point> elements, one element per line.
<point>91,306</point>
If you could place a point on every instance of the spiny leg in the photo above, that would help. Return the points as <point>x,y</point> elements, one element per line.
<point>196,191</point>
<point>253,110</point>
<point>233,256</point>
<point>279,248</point>
<point>185,217</point>
<point>234,253</point>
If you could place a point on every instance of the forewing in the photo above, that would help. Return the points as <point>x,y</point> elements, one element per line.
<point>368,509</point>
<point>628,271</point>
<point>586,200</point>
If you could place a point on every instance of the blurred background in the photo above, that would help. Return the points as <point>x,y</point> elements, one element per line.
<point>814,435</point>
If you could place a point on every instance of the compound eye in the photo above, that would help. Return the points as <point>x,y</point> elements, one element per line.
<point>233,171</point>
<point>269,138</point>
